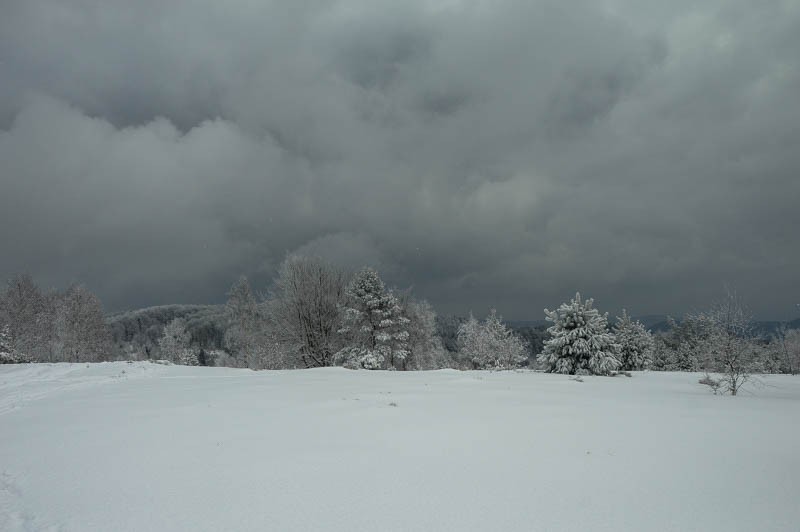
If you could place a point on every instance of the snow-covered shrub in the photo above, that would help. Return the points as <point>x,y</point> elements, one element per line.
<point>188,357</point>
<point>714,384</point>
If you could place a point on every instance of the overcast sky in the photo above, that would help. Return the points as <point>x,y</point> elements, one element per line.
<point>502,153</point>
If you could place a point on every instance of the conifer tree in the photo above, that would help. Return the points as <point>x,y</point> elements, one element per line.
<point>374,325</point>
<point>579,341</point>
<point>635,343</point>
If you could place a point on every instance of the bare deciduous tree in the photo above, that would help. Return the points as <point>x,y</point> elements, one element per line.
<point>727,346</point>
<point>55,327</point>
<point>304,310</point>
<point>249,339</point>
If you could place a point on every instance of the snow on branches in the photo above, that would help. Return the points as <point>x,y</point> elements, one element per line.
<point>579,342</point>
<point>490,345</point>
<point>175,344</point>
<point>635,343</point>
<point>374,324</point>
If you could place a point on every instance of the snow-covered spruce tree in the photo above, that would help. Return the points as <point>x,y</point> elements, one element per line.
<point>175,344</point>
<point>579,340</point>
<point>635,343</point>
<point>490,344</point>
<point>374,326</point>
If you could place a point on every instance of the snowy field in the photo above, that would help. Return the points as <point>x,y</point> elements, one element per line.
<point>145,447</point>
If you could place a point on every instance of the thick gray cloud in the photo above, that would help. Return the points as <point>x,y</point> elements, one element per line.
<point>488,153</point>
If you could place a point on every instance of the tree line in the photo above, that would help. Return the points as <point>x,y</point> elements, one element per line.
<point>317,315</point>
<point>55,326</point>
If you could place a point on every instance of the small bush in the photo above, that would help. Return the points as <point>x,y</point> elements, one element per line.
<point>714,384</point>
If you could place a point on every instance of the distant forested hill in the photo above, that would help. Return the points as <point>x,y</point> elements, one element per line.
<point>142,328</point>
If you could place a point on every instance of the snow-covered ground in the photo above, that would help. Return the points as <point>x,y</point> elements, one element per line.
<point>145,447</point>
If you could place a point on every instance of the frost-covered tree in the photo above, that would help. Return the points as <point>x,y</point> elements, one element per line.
<point>424,345</point>
<point>471,344</point>
<point>304,310</point>
<point>7,353</point>
<point>662,353</point>
<point>141,329</point>
<point>579,340</point>
<point>245,335</point>
<point>447,330</point>
<point>29,315</point>
<point>791,349</point>
<point>175,344</point>
<point>788,342</point>
<point>727,345</point>
<point>81,332</point>
<point>490,344</point>
<point>5,343</point>
<point>56,327</point>
<point>374,325</point>
<point>679,348</point>
<point>635,343</point>
<point>67,326</point>
<point>506,350</point>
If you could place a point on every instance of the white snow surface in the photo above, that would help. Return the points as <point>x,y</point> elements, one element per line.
<point>146,447</point>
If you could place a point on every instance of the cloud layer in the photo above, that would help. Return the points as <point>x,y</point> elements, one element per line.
<point>487,153</point>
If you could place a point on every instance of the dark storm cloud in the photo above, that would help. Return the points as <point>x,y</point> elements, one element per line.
<point>497,153</point>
